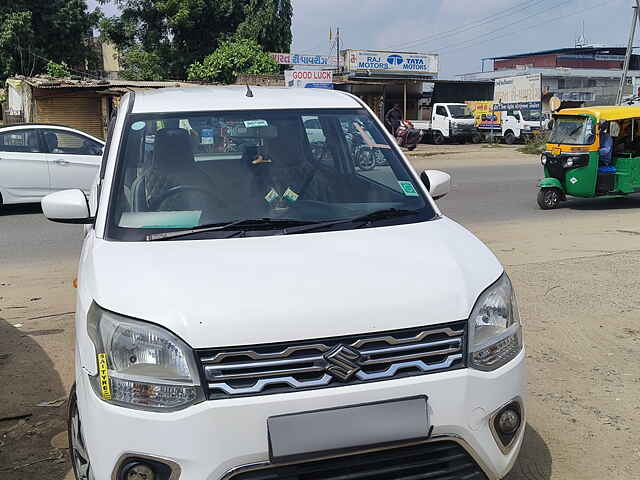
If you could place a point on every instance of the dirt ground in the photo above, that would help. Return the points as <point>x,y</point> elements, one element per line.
<point>579,294</point>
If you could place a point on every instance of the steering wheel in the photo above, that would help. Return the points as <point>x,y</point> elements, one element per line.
<point>158,201</point>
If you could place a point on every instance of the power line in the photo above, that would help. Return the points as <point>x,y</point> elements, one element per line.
<point>472,25</point>
<point>528,17</point>
<point>29,52</point>
<point>473,41</point>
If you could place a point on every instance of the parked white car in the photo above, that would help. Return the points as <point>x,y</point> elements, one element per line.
<point>251,308</point>
<point>37,159</point>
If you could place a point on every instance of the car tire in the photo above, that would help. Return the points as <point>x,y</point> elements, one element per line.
<point>437,138</point>
<point>476,138</point>
<point>509,138</point>
<point>549,198</point>
<point>77,448</point>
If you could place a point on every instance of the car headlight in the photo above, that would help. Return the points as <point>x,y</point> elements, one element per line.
<point>495,332</point>
<point>141,365</point>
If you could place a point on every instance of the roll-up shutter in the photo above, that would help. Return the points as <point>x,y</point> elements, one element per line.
<point>82,113</point>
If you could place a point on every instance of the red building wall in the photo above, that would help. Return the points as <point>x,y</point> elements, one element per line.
<point>552,61</point>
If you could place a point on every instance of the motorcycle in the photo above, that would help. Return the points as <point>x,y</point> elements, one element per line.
<point>407,136</point>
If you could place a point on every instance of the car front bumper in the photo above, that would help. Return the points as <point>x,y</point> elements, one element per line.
<point>215,438</point>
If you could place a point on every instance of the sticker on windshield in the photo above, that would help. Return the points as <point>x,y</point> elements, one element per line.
<point>290,195</point>
<point>137,125</point>
<point>207,136</point>
<point>408,189</point>
<point>255,123</point>
<point>272,195</point>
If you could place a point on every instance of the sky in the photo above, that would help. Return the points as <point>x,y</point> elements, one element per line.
<point>462,32</point>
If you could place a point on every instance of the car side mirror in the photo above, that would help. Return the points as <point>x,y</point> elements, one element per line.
<point>438,183</point>
<point>67,206</point>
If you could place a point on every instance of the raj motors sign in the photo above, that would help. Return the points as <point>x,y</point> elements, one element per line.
<point>391,62</point>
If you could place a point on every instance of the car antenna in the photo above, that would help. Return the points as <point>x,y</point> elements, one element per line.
<point>249,92</point>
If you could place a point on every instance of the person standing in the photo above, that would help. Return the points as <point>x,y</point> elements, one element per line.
<point>393,118</point>
<point>606,144</point>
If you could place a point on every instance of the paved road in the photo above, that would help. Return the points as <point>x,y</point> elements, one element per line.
<point>26,236</point>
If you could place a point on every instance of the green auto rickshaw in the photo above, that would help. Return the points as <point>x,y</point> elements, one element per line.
<point>592,152</point>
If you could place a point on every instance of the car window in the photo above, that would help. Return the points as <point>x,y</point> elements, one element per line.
<point>70,143</point>
<point>317,138</point>
<point>218,167</point>
<point>369,152</point>
<point>22,140</point>
<point>440,110</point>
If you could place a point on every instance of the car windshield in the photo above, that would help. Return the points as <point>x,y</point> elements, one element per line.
<point>220,168</point>
<point>531,115</point>
<point>572,131</point>
<point>460,111</point>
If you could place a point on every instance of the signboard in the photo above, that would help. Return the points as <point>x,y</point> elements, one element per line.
<point>308,79</point>
<point>391,62</point>
<point>305,60</point>
<point>523,92</point>
<point>485,116</point>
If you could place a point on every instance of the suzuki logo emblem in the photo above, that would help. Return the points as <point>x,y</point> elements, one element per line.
<point>342,362</point>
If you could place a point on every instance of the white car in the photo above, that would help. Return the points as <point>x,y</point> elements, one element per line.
<point>37,159</point>
<point>249,309</point>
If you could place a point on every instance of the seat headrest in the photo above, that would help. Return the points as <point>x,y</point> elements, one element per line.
<point>172,149</point>
<point>51,139</point>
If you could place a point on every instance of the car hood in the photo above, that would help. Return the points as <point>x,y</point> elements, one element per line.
<point>280,288</point>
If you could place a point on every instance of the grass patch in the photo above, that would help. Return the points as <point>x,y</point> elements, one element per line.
<point>536,144</point>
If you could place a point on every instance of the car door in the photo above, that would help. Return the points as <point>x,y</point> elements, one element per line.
<point>74,159</point>
<point>441,120</point>
<point>24,171</point>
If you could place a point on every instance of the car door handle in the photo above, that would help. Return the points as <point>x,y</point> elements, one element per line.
<point>61,162</point>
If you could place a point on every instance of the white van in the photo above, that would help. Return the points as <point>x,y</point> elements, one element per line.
<point>252,308</point>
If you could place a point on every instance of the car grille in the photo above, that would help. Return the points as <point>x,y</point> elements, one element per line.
<point>443,460</point>
<point>289,367</point>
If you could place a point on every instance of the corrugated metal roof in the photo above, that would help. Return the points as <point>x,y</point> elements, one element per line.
<point>612,51</point>
<point>43,82</point>
<point>549,72</point>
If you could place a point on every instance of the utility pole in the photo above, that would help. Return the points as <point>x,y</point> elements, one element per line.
<point>338,48</point>
<point>627,58</point>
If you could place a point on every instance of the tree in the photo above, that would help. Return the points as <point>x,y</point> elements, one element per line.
<point>57,70</point>
<point>268,22</point>
<point>233,58</point>
<point>34,32</point>
<point>181,32</point>
<point>138,64</point>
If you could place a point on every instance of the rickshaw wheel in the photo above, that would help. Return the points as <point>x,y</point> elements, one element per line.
<point>549,198</point>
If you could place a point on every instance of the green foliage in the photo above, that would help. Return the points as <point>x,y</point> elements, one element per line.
<point>181,32</point>
<point>231,59</point>
<point>536,144</point>
<point>139,65</point>
<point>57,70</point>
<point>32,32</point>
<point>268,22</point>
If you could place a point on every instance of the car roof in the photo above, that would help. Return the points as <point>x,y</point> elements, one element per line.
<point>230,98</point>
<point>52,126</point>
<point>605,113</point>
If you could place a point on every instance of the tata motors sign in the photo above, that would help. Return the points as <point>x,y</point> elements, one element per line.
<point>391,62</point>
<point>308,79</point>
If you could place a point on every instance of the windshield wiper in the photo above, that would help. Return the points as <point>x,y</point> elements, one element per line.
<point>244,224</point>
<point>366,219</point>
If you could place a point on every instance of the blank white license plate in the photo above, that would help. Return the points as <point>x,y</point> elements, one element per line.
<point>319,432</point>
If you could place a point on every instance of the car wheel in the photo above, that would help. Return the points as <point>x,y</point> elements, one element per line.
<point>509,138</point>
<point>549,198</point>
<point>77,448</point>
<point>438,138</point>
<point>476,138</point>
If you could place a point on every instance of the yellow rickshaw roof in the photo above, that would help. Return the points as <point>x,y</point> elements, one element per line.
<point>604,113</point>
